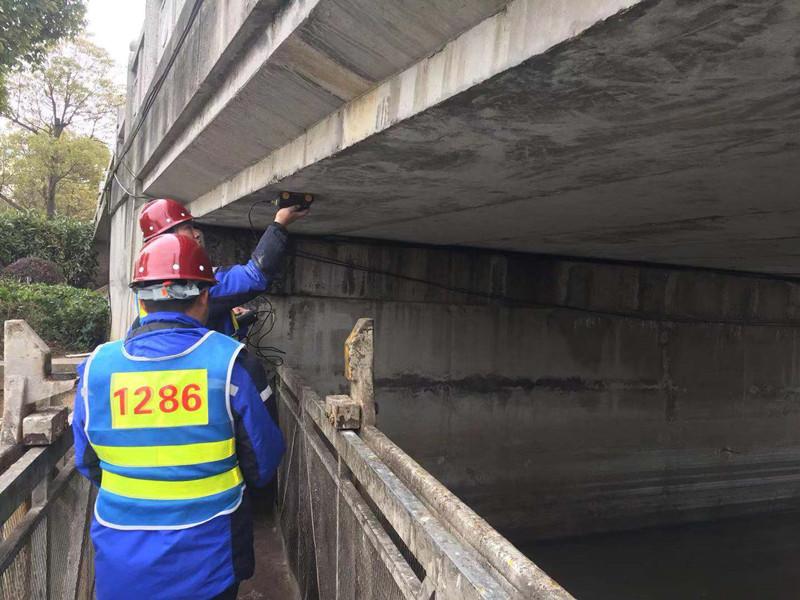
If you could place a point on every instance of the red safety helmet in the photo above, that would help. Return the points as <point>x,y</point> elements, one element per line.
<point>170,257</point>
<point>159,216</point>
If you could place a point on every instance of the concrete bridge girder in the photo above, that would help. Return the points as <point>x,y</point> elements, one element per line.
<point>523,29</point>
<point>667,133</point>
<point>302,61</point>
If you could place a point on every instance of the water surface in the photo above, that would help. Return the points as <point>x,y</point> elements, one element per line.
<point>749,558</point>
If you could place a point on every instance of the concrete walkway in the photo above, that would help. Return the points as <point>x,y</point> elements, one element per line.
<point>272,579</point>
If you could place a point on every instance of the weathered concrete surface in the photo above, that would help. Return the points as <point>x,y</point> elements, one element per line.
<point>667,133</point>
<point>217,35</point>
<point>343,412</point>
<point>650,396</point>
<point>124,245</point>
<point>279,68</point>
<point>272,579</point>
<point>523,29</point>
<point>45,426</point>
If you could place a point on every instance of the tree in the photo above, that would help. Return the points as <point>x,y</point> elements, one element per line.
<point>41,172</point>
<point>62,110</point>
<point>28,28</point>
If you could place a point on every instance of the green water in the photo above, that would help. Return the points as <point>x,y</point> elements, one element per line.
<point>749,558</point>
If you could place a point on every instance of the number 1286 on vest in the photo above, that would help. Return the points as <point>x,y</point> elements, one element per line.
<point>159,399</point>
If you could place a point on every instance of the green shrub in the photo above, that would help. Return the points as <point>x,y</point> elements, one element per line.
<point>34,270</point>
<point>65,317</point>
<point>64,241</point>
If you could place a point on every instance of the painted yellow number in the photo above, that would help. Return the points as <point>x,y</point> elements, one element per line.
<point>159,399</point>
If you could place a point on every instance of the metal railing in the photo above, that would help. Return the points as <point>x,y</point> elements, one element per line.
<point>361,519</point>
<point>44,505</point>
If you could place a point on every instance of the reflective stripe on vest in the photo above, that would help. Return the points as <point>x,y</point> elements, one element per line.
<point>163,431</point>
<point>151,489</point>
<point>165,456</point>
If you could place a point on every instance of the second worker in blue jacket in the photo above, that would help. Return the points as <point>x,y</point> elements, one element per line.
<point>236,284</point>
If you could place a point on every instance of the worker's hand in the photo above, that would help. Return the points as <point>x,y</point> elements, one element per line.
<point>290,214</point>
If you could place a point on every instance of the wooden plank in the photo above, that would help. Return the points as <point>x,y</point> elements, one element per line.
<point>515,572</point>
<point>402,574</point>
<point>405,579</point>
<point>19,480</point>
<point>358,367</point>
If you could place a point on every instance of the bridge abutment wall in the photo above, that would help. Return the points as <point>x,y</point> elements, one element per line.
<point>559,396</point>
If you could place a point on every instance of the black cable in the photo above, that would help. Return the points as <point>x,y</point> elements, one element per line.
<point>355,267</point>
<point>545,305</point>
<point>129,193</point>
<point>520,302</point>
<point>265,318</point>
<point>259,330</point>
<point>250,216</point>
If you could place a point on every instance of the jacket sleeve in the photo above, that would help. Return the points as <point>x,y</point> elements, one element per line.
<point>86,460</point>
<point>241,283</point>
<point>270,250</point>
<point>259,442</point>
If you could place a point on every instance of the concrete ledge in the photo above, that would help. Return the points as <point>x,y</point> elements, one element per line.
<point>518,280</point>
<point>61,368</point>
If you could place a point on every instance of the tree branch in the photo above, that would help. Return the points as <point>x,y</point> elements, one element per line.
<point>11,203</point>
<point>61,176</point>
<point>51,95</point>
<point>26,126</point>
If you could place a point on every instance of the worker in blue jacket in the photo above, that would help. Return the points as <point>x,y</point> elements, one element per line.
<point>171,428</point>
<point>236,284</point>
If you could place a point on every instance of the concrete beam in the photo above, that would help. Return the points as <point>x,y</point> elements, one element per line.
<point>303,63</point>
<point>523,29</point>
<point>190,71</point>
<point>665,134</point>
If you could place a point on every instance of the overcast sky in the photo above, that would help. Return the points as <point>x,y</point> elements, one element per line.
<point>114,24</point>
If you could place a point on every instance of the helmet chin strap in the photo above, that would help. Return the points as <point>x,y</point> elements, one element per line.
<point>169,290</point>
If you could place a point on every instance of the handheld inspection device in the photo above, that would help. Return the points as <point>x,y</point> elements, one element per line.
<point>287,199</point>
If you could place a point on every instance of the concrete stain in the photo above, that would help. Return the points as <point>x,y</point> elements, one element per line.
<point>494,384</point>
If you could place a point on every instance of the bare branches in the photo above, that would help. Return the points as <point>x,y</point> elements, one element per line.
<point>26,126</point>
<point>62,111</point>
<point>71,90</point>
<point>8,200</point>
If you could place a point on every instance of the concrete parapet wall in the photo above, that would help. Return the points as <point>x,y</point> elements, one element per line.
<point>596,396</point>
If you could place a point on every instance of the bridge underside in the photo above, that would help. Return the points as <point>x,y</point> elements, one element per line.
<point>668,133</point>
<point>576,396</point>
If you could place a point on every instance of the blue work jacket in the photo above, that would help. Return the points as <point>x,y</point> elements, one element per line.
<point>235,286</point>
<point>202,561</point>
<point>238,284</point>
